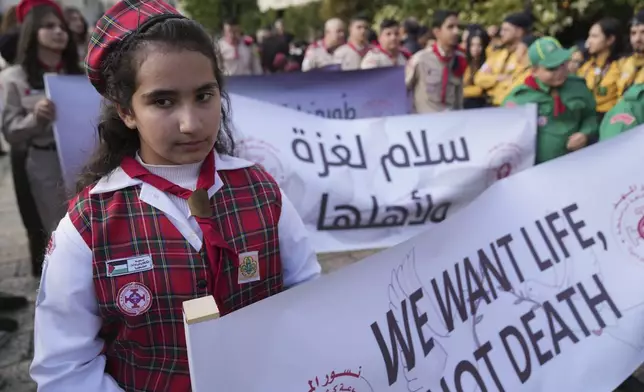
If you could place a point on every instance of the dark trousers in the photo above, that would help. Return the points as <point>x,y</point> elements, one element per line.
<point>36,234</point>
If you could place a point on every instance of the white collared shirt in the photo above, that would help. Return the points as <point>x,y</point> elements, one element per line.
<point>67,349</point>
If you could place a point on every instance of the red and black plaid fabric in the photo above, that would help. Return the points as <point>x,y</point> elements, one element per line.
<point>148,352</point>
<point>119,22</point>
<point>25,6</point>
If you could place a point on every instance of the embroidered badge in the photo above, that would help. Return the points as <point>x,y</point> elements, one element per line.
<point>134,299</point>
<point>248,268</point>
<point>542,121</point>
<point>127,266</point>
<point>623,118</point>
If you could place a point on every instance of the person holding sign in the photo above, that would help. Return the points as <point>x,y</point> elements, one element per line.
<point>627,114</point>
<point>567,118</point>
<point>45,46</point>
<point>164,215</point>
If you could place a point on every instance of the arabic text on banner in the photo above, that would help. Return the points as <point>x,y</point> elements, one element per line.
<point>373,183</point>
<point>535,287</point>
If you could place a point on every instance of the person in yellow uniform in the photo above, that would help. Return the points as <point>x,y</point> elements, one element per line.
<point>494,32</point>
<point>524,67</point>
<point>601,72</point>
<point>495,76</point>
<point>477,41</point>
<point>632,67</point>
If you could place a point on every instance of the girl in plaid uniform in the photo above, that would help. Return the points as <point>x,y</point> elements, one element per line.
<point>164,214</point>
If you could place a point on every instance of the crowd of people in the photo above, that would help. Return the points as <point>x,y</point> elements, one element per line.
<point>452,68</point>
<point>164,172</point>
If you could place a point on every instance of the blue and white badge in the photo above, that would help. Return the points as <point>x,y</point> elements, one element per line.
<point>130,265</point>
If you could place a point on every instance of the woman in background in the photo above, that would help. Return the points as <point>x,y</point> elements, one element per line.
<point>475,44</point>
<point>601,71</point>
<point>27,116</point>
<point>78,27</point>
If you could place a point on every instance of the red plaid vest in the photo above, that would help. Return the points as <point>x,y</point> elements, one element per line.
<point>147,352</point>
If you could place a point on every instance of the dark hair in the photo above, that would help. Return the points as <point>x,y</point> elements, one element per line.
<point>476,31</point>
<point>80,38</point>
<point>9,20</point>
<point>359,18</point>
<point>120,72</point>
<point>440,16</point>
<point>27,55</point>
<point>388,23</point>
<point>611,27</point>
<point>231,21</point>
<point>411,27</point>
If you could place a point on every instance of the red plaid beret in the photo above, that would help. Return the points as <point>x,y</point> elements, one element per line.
<point>27,5</point>
<point>121,21</point>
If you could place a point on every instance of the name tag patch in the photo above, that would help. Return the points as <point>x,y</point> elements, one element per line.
<point>127,266</point>
<point>248,268</point>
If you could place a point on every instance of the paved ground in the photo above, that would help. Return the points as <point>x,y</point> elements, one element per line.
<point>16,350</point>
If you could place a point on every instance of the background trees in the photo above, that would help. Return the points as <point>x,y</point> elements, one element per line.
<point>569,19</point>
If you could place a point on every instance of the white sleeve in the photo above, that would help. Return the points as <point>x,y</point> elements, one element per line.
<point>67,350</point>
<point>299,261</point>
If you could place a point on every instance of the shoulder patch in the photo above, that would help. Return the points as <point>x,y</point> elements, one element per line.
<point>623,118</point>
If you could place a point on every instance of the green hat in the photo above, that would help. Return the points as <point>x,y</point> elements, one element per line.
<point>547,52</point>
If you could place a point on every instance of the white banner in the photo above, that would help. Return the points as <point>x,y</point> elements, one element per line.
<point>536,286</point>
<point>373,183</point>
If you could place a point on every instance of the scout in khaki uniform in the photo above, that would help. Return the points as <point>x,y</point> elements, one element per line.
<point>495,77</point>
<point>240,57</point>
<point>601,71</point>
<point>350,55</point>
<point>320,53</point>
<point>632,67</point>
<point>164,215</point>
<point>627,114</point>
<point>566,115</point>
<point>434,75</point>
<point>387,53</point>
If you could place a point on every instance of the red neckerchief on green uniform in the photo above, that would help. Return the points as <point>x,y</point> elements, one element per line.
<point>560,108</point>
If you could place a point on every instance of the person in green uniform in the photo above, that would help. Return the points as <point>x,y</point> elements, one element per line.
<point>627,114</point>
<point>566,116</point>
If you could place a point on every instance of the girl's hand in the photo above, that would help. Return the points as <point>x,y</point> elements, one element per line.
<point>45,110</point>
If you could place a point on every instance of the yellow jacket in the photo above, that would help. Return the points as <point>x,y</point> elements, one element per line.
<point>470,90</point>
<point>501,64</point>
<point>601,78</point>
<point>519,76</point>
<point>632,72</point>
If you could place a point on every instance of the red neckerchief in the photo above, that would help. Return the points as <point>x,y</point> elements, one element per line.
<point>235,47</point>
<point>393,58</point>
<point>57,69</point>
<point>213,240</point>
<point>405,52</point>
<point>447,65</point>
<point>361,52</point>
<point>559,108</point>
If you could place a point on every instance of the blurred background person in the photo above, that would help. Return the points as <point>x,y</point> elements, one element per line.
<point>601,72</point>
<point>239,55</point>
<point>409,35</point>
<point>578,58</point>
<point>320,53</point>
<point>78,26</point>
<point>475,44</point>
<point>387,53</point>
<point>350,55</point>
